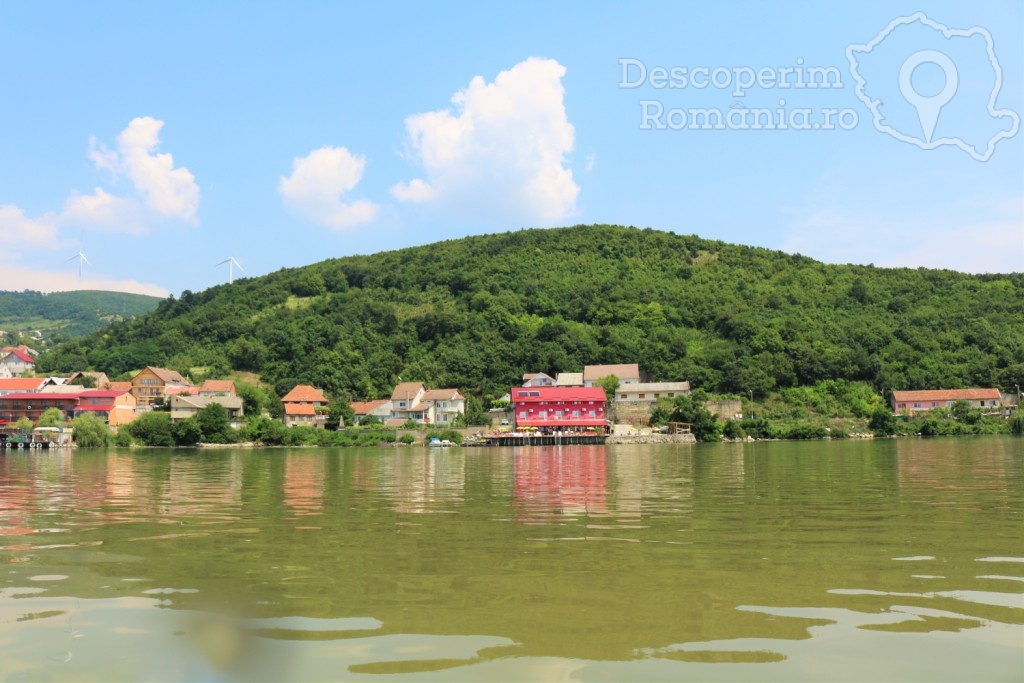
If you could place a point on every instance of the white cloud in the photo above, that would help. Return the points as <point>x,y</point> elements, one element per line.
<point>503,150</point>
<point>169,191</point>
<point>317,184</point>
<point>17,278</point>
<point>103,211</point>
<point>18,231</point>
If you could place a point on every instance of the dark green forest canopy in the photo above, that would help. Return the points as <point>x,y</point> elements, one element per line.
<point>62,315</point>
<point>478,312</point>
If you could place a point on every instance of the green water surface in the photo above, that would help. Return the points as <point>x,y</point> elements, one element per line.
<point>889,560</point>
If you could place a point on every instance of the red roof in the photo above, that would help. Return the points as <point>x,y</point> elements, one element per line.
<point>946,395</point>
<point>536,394</point>
<point>22,356</point>
<point>299,409</point>
<point>303,393</point>
<point>36,396</point>
<point>102,393</point>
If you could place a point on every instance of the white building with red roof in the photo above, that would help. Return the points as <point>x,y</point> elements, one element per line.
<point>16,363</point>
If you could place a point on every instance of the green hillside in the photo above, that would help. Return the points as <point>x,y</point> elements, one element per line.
<point>64,315</point>
<point>478,312</point>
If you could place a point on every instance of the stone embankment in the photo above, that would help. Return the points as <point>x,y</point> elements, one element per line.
<point>650,438</point>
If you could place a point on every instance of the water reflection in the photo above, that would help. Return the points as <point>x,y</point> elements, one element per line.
<point>620,563</point>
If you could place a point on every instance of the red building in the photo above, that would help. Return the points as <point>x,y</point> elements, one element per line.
<point>16,406</point>
<point>558,407</point>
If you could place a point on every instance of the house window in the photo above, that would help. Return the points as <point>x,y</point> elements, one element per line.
<point>641,396</point>
<point>543,415</point>
<point>917,405</point>
<point>935,404</point>
<point>401,404</point>
<point>671,395</point>
<point>559,414</point>
<point>522,414</point>
<point>576,414</point>
<point>593,413</point>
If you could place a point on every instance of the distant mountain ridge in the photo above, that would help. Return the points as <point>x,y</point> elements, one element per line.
<point>478,312</point>
<point>65,315</point>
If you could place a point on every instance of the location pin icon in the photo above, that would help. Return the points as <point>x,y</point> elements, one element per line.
<point>928,108</point>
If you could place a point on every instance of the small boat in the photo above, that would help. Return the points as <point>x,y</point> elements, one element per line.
<point>440,443</point>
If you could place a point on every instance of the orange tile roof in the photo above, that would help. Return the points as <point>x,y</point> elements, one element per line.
<point>946,395</point>
<point>365,407</point>
<point>21,383</point>
<point>119,386</point>
<point>179,391</point>
<point>299,409</point>
<point>167,376</point>
<point>406,391</point>
<point>218,386</point>
<point>442,395</point>
<point>303,393</point>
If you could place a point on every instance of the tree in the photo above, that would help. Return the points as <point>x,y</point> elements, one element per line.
<point>214,423</point>
<point>85,381</point>
<point>52,417</point>
<point>187,432</point>
<point>610,384</point>
<point>475,414</point>
<point>369,420</point>
<point>690,408</point>
<point>254,399</point>
<point>152,429</point>
<point>23,424</point>
<point>1017,422</point>
<point>90,431</point>
<point>882,422</point>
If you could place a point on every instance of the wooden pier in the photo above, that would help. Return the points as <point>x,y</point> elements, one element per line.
<point>512,439</point>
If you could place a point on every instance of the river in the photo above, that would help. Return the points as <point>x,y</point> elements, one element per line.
<point>885,560</point>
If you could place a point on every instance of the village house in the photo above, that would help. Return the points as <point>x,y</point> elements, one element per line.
<point>305,406</point>
<point>559,408</point>
<point>538,379</point>
<point>914,402</point>
<point>184,407</point>
<point>635,402</point>
<point>445,405</point>
<point>627,373</point>
<point>16,363</point>
<point>412,401</point>
<point>379,409</point>
<point>152,384</point>
<point>113,407</point>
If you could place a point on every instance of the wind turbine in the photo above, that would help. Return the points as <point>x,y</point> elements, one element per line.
<point>230,260</point>
<point>81,259</point>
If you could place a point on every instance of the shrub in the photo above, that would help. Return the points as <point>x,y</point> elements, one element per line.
<point>733,430</point>
<point>90,431</point>
<point>407,439</point>
<point>152,429</point>
<point>123,439</point>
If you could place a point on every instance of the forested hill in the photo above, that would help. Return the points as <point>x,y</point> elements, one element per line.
<point>63,315</point>
<point>478,312</point>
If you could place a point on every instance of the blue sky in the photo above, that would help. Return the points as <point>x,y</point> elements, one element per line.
<point>160,139</point>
